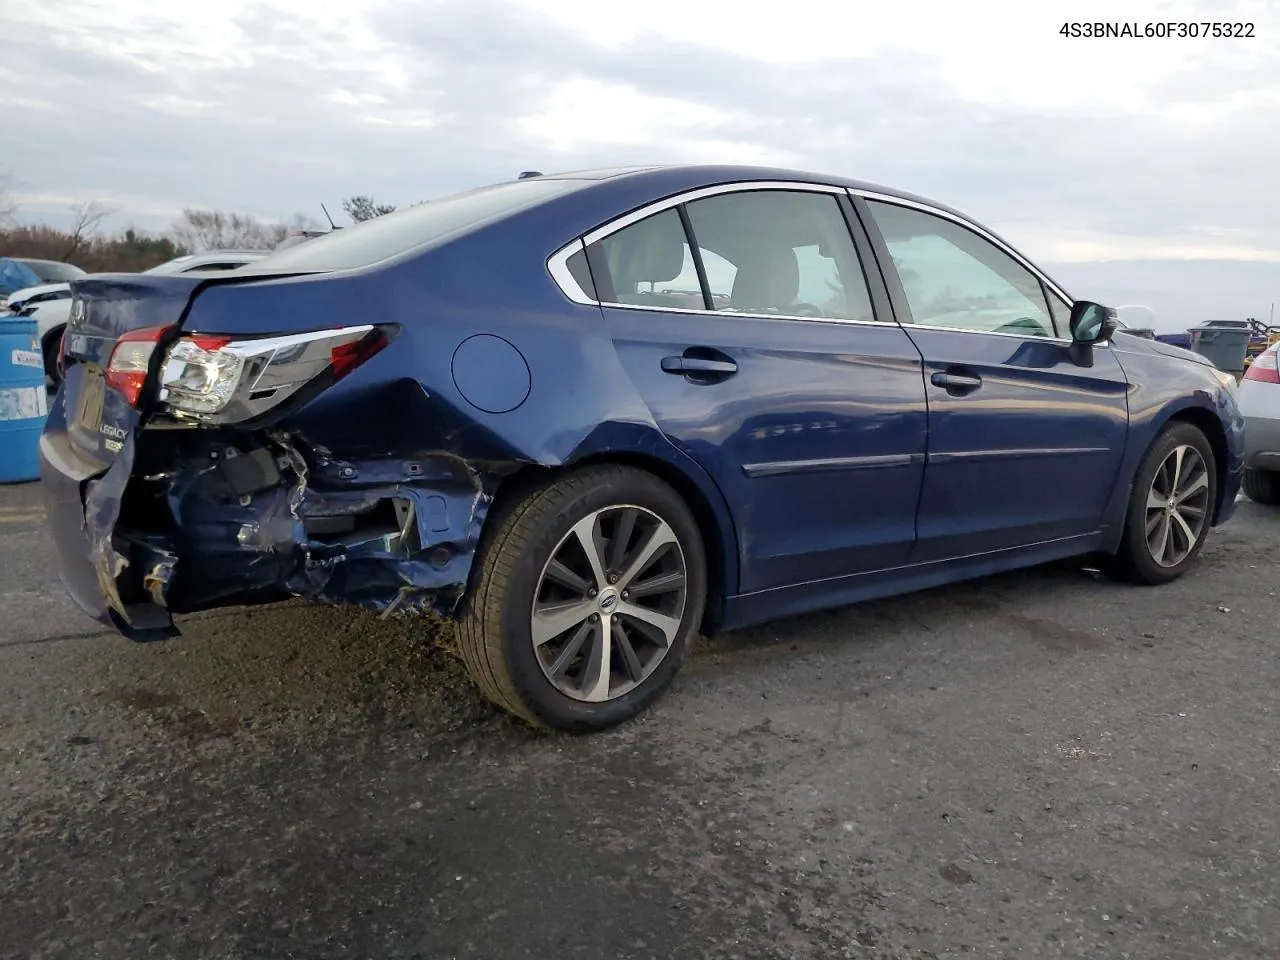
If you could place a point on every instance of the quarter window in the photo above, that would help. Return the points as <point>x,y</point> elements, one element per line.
<point>953,277</point>
<point>650,264</point>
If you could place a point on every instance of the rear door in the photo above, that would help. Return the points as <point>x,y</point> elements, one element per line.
<point>746,321</point>
<point>1024,445</point>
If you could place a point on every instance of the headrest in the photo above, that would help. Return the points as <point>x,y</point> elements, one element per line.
<point>768,278</point>
<point>654,250</point>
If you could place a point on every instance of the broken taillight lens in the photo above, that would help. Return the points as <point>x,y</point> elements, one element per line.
<point>1265,367</point>
<point>130,360</point>
<point>219,379</point>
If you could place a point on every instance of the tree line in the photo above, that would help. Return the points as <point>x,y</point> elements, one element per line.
<point>89,246</point>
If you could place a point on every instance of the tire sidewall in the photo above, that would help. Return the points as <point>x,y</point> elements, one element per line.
<point>49,353</point>
<point>1173,436</point>
<point>614,489</point>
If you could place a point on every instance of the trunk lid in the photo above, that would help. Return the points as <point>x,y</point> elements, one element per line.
<point>103,309</point>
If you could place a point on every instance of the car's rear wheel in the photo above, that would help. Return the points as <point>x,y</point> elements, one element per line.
<point>1262,486</point>
<point>587,593</point>
<point>1170,508</point>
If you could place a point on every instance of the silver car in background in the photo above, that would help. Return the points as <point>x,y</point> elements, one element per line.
<point>1259,401</point>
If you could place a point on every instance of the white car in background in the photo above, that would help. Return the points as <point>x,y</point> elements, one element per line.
<point>50,303</point>
<point>1259,402</point>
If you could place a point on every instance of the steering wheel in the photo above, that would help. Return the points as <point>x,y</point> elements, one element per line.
<point>802,309</point>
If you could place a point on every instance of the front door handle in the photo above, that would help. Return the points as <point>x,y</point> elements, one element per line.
<point>956,384</point>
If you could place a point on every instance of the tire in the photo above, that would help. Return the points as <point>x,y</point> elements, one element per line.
<point>1262,486</point>
<point>50,351</point>
<point>514,584</point>
<point>1135,560</point>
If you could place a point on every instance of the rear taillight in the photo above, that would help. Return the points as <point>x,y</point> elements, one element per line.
<point>62,352</point>
<point>130,360</point>
<point>1265,367</point>
<point>218,379</point>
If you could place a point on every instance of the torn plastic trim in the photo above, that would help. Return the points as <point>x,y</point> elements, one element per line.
<point>189,520</point>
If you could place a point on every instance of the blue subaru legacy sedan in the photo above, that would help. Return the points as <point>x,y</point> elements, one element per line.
<point>590,415</point>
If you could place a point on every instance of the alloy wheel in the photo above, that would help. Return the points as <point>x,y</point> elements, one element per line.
<point>1177,506</point>
<point>609,603</point>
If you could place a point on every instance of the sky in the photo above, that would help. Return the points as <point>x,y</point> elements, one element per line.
<point>1078,150</point>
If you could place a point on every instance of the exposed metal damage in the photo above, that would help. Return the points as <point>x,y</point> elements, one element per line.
<point>187,519</point>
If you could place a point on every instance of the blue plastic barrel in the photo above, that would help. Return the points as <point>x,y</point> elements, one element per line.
<point>24,401</point>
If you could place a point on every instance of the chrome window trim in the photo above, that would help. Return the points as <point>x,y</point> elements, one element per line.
<point>613,226</point>
<point>558,267</point>
<point>558,262</point>
<point>969,225</point>
<point>649,308</point>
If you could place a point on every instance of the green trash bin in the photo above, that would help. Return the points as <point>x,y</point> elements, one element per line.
<point>1225,346</point>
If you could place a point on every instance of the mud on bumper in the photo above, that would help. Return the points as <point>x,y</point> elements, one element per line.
<point>187,520</point>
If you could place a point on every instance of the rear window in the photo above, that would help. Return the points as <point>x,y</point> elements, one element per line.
<point>395,233</point>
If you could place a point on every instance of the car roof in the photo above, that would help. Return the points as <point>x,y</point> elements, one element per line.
<point>707,174</point>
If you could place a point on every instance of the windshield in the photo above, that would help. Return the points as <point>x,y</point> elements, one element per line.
<point>395,233</point>
<point>50,271</point>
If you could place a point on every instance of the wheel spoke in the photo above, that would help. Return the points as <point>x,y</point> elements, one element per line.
<point>666,627</point>
<point>1188,535</point>
<point>564,659</point>
<point>587,530</point>
<point>1161,539</point>
<point>599,668</point>
<point>553,620</point>
<point>1154,500</point>
<point>661,537</point>
<point>622,642</point>
<point>562,575</point>
<point>664,583</point>
<point>1153,518</point>
<point>1178,454</point>
<point>621,537</point>
<point>1193,486</point>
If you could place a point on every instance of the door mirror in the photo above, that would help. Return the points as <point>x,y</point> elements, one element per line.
<point>1090,323</point>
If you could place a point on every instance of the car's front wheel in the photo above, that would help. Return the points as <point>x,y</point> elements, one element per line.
<point>1170,507</point>
<point>587,593</point>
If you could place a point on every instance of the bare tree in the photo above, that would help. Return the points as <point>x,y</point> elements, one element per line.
<point>8,206</point>
<point>363,207</point>
<point>88,217</point>
<point>200,230</point>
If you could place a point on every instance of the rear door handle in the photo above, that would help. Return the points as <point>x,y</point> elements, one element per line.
<point>698,365</point>
<point>956,384</point>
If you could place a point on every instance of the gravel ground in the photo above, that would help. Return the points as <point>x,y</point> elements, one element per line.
<point>1037,765</point>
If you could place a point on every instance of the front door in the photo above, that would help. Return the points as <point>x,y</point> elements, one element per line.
<point>758,350</point>
<point>1024,444</point>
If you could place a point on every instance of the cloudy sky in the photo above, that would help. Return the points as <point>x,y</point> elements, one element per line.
<point>1077,149</point>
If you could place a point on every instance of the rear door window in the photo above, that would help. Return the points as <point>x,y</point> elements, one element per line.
<point>784,253</point>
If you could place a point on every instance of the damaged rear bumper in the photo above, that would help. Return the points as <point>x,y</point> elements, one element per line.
<point>190,519</point>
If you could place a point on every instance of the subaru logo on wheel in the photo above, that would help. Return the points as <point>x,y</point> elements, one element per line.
<point>608,602</point>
